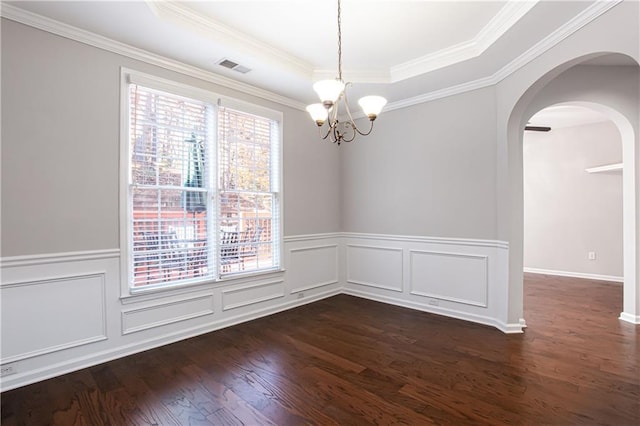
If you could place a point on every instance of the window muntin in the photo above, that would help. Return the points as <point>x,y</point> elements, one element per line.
<point>191,188</point>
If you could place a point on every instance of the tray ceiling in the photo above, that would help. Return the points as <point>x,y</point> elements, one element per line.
<point>400,49</point>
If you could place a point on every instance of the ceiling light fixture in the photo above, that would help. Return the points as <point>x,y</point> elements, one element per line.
<point>332,93</point>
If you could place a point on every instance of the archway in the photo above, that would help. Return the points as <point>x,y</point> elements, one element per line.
<point>573,195</point>
<point>599,89</point>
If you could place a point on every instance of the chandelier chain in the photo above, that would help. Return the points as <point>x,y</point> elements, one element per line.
<point>339,43</point>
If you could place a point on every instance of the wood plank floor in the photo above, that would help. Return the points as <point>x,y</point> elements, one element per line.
<point>351,361</point>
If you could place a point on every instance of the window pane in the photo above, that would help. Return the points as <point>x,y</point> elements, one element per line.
<point>250,218</point>
<point>169,241</point>
<point>247,216</point>
<point>169,194</point>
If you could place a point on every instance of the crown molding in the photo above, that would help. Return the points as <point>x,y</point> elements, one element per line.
<point>442,93</point>
<point>73,33</point>
<point>506,18</point>
<point>440,59</point>
<point>510,13</point>
<point>577,22</point>
<point>586,16</point>
<point>180,14</point>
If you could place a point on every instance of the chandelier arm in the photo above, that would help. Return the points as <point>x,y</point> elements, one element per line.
<point>352,122</point>
<point>326,134</point>
<point>354,129</point>
<point>367,132</point>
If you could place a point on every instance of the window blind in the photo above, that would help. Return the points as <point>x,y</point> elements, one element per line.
<point>170,187</point>
<point>248,185</point>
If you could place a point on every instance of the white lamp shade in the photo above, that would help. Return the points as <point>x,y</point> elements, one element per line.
<point>372,105</point>
<point>329,90</point>
<point>318,113</point>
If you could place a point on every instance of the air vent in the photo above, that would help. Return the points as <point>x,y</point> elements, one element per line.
<point>228,64</point>
<point>242,69</point>
<point>234,66</point>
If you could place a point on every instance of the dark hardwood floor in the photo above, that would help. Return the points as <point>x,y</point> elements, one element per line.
<point>351,361</point>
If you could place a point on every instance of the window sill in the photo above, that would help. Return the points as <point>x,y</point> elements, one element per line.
<point>146,294</point>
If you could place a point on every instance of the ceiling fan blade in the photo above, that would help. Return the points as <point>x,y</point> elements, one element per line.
<point>537,128</point>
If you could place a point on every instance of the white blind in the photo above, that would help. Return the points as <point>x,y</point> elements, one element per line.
<point>170,187</point>
<point>248,184</point>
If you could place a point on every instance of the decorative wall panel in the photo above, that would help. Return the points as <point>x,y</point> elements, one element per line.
<point>160,314</point>
<point>52,314</point>
<point>457,277</point>
<point>372,266</point>
<point>312,267</point>
<point>237,297</point>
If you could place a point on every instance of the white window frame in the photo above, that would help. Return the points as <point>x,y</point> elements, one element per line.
<point>129,76</point>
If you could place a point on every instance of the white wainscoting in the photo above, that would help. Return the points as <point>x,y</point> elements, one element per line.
<point>62,312</point>
<point>460,278</point>
<point>57,309</point>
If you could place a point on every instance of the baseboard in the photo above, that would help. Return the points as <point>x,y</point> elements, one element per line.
<point>633,319</point>
<point>478,319</point>
<point>596,277</point>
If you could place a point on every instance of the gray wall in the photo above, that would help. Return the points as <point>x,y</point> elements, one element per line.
<point>60,139</point>
<point>426,170</point>
<point>568,212</point>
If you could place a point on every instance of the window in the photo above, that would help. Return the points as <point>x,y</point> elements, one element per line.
<point>203,186</point>
<point>248,208</point>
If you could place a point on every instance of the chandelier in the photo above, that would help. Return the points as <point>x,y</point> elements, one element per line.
<point>332,93</point>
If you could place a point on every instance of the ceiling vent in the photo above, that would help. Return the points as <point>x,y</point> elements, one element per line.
<point>234,66</point>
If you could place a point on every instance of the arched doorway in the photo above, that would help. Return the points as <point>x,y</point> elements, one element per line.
<point>595,83</point>
<point>572,202</point>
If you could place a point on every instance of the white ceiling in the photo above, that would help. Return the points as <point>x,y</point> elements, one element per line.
<point>399,49</point>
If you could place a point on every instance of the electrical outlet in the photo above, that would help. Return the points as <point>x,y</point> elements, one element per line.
<point>8,369</point>
<point>433,302</point>
<point>300,295</point>
<point>592,255</point>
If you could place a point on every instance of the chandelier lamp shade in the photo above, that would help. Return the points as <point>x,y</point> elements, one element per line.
<point>333,96</point>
